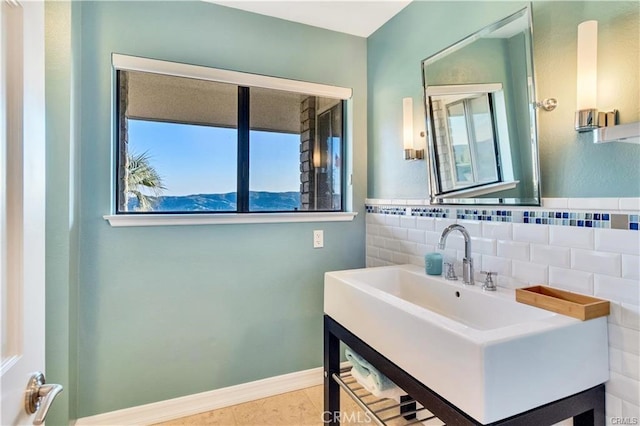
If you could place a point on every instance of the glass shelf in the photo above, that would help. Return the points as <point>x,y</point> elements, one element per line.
<point>628,133</point>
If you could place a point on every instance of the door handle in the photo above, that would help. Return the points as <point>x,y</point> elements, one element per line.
<point>39,396</point>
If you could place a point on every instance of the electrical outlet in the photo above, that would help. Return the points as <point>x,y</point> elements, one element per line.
<point>318,239</point>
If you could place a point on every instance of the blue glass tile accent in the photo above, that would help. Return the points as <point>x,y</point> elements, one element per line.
<point>547,217</point>
<point>433,212</point>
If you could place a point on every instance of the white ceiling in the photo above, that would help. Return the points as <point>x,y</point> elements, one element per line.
<point>356,17</point>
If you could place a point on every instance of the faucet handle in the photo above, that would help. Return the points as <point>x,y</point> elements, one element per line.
<point>450,273</point>
<point>488,282</point>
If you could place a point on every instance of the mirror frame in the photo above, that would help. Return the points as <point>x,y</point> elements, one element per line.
<point>533,119</point>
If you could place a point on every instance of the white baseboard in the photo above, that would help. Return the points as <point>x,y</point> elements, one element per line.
<point>206,401</point>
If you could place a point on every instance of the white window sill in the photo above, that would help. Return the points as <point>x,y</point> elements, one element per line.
<point>225,218</point>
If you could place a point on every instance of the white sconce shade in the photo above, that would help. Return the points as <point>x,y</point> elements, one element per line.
<point>587,65</point>
<point>407,123</point>
<point>410,153</point>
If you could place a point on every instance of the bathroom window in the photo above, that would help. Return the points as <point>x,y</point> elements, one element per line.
<point>199,140</point>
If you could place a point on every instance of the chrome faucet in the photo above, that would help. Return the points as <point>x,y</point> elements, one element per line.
<point>467,262</point>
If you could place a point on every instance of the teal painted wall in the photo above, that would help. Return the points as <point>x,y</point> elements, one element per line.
<point>169,311</point>
<point>571,166</point>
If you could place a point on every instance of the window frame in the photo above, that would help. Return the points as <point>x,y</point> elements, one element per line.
<point>472,141</point>
<point>244,81</point>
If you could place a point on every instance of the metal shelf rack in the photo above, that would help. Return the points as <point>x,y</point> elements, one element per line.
<point>383,411</point>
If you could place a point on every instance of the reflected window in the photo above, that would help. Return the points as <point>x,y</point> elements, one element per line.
<point>467,145</point>
<point>471,140</point>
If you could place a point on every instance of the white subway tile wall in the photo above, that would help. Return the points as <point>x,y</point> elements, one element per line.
<point>596,261</point>
<point>531,234</point>
<point>631,267</point>
<point>550,255</point>
<point>617,241</point>
<point>571,280</point>
<point>567,236</point>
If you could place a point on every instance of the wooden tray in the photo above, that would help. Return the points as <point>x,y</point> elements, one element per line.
<point>563,302</point>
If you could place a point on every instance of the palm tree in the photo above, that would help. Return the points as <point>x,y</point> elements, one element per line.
<point>142,178</point>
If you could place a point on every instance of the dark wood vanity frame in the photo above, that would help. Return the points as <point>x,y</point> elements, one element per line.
<point>586,407</point>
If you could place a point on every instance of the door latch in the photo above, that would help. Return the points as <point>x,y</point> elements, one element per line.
<point>39,396</point>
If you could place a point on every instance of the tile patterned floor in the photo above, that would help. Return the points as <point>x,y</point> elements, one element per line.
<point>298,408</point>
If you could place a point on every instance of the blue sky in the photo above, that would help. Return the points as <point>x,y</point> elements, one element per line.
<point>202,160</point>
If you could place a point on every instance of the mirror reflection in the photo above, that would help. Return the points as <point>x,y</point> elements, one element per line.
<point>478,98</point>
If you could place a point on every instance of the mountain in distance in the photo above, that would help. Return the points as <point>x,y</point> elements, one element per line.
<point>258,201</point>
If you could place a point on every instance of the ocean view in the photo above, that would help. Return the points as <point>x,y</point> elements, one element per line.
<point>258,201</point>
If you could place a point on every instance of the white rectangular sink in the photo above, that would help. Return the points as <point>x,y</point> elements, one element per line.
<point>487,354</point>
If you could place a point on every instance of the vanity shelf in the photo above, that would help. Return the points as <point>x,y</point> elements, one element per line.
<point>586,407</point>
<point>382,411</point>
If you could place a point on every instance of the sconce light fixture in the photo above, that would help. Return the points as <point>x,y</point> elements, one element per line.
<point>587,116</point>
<point>410,153</point>
<point>603,125</point>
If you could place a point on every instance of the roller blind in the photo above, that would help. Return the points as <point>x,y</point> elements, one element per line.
<point>183,93</point>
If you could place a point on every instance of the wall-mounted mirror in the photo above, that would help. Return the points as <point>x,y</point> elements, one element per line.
<point>481,119</point>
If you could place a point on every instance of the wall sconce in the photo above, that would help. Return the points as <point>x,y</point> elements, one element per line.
<point>603,125</point>
<point>587,116</point>
<point>410,153</point>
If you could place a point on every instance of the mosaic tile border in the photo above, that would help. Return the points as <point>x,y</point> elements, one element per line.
<point>541,217</point>
<point>510,216</point>
<point>430,212</point>
<point>393,210</point>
